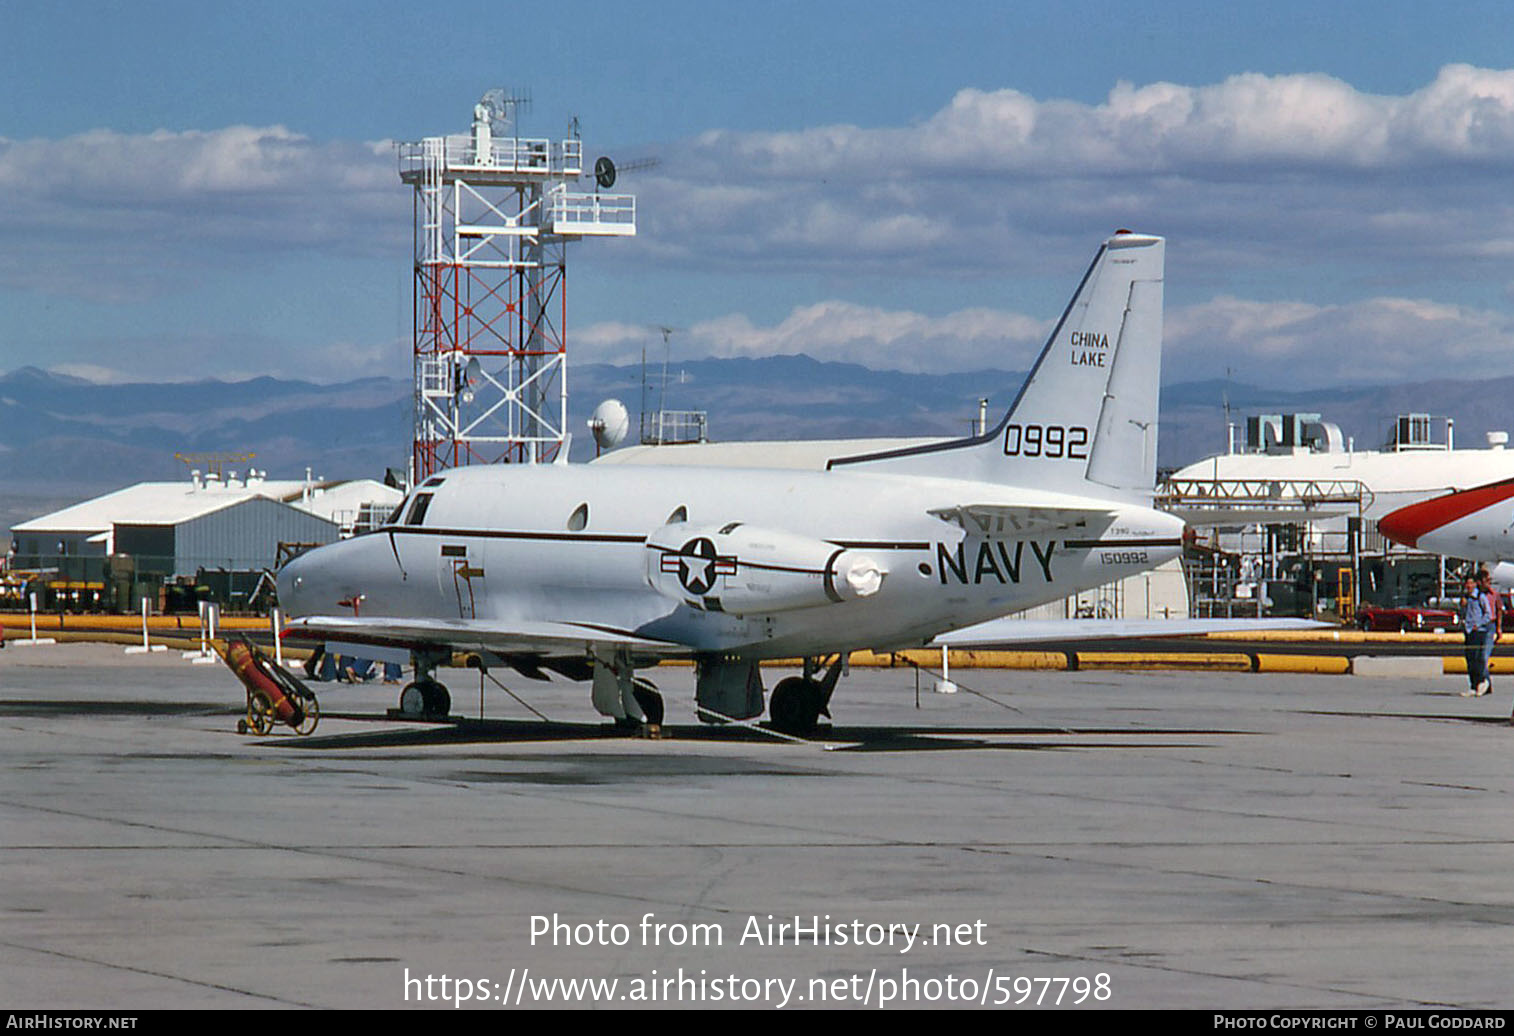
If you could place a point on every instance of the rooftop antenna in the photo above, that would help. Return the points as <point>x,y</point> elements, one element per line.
<point>213,462</point>
<point>667,349</point>
<point>501,107</point>
<point>663,426</point>
<point>1225,401</point>
<point>662,395</point>
<point>605,169</point>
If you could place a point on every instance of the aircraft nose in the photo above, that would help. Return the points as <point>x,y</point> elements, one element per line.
<point>1406,524</point>
<point>292,585</point>
<point>1409,525</point>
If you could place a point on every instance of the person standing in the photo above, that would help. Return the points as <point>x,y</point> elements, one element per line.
<point>1495,627</point>
<point>1477,630</point>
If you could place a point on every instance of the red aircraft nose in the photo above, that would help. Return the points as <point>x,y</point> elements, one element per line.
<point>1403,525</point>
<point>1407,524</point>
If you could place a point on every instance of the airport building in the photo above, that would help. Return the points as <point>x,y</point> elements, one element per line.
<point>1287,523</point>
<point>220,534</point>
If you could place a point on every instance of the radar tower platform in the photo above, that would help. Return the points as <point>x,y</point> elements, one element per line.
<point>493,215</point>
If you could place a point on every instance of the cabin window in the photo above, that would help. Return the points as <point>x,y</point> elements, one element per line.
<point>578,521</point>
<point>680,514</point>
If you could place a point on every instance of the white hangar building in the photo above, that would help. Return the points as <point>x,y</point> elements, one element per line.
<point>175,528</point>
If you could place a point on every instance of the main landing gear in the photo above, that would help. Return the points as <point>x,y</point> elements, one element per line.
<point>426,698</point>
<point>797,703</point>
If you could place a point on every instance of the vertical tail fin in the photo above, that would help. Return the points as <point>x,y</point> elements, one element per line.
<point>1087,412</point>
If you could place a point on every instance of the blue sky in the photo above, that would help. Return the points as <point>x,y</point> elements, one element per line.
<point>191,190</point>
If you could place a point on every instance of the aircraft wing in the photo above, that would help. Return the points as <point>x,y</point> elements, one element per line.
<point>1012,520</point>
<point>540,639</point>
<point>1013,631</point>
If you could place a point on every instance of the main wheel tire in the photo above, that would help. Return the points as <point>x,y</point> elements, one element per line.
<point>413,700</point>
<point>438,700</point>
<point>794,705</point>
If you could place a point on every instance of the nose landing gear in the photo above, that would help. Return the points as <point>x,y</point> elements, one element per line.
<point>425,697</point>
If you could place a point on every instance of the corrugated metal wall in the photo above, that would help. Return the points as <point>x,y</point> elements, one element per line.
<point>245,535</point>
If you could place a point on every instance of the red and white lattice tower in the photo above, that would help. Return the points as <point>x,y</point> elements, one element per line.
<point>494,213</point>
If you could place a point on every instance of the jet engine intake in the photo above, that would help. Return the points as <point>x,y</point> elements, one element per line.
<point>747,570</point>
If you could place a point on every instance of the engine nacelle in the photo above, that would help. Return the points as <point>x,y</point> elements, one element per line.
<point>747,570</point>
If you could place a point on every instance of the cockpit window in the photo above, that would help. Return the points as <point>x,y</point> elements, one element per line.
<point>417,515</point>
<point>398,513</point>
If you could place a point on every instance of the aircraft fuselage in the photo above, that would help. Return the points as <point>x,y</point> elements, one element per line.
<point>754,563</point>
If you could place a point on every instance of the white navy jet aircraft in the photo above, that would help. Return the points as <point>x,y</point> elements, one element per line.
<point>592,571</point>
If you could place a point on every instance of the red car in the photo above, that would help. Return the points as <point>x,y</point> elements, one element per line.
<point>1408,618</point>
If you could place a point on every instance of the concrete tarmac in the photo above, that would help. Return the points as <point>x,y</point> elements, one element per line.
<point>1181,840</point>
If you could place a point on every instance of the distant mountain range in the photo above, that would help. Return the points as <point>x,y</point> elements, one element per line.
<point>63,439</point>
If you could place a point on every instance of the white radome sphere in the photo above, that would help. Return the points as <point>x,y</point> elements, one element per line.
<point>610,422</point>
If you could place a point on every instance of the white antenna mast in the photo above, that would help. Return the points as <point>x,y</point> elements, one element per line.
<point>667,349</point>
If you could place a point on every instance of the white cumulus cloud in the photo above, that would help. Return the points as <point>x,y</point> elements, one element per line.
<point>1371,341</point>
<point>836,330</point>
<point>114,216</point>
<point>1368,221</point>
<point>1236,172</point>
